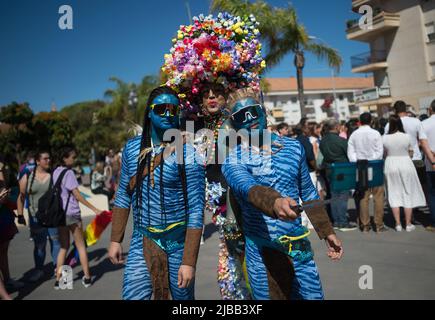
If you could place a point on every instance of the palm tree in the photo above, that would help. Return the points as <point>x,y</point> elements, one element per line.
<point>282,34</point>
<point>120,106</point>
<point>119,98</point>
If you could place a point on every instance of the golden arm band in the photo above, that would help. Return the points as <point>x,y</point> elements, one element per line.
<point>119,223</point>
<point>191,247</point>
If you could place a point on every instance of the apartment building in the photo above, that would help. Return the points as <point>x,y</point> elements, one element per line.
<point>324,97</point>
<point>401,53</point>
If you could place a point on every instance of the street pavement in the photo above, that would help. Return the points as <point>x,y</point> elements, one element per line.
<point>402,266</point>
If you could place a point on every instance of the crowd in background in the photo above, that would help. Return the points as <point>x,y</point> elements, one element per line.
<point>403,141</point>
<point>406,144</point>
<point>23,189</point>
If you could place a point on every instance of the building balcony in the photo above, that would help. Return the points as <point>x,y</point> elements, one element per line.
<point>373,96</point>
<point>278,114</point>
<point>369,61</point>
<point>382,22</point>
<point>358,3</point>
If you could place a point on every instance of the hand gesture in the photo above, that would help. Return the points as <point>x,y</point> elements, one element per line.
<point>186,274</point>
<point>335,248</point>
<point>115,253</point>
<point>282,209</point>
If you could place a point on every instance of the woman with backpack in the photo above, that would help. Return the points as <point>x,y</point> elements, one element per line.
<point>70,198</point>
<point>34,186</point>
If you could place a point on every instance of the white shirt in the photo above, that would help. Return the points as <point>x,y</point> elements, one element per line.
<point>429,130</point>
<point>365,143</point>
<point>414,129</point>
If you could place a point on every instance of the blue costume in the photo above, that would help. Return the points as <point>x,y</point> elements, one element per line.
<point>279,257</point>
<point>163,216</point>
<point>286,172</point>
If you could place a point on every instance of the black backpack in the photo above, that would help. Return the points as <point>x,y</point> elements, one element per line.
<point>50,210</point>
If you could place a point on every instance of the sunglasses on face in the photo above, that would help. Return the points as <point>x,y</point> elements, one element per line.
<point>241,116</point>
<point>164,108</point>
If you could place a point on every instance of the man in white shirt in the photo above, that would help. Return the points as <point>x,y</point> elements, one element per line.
<point>414,129</point>
<point>429,130</point>
<point>365,143</point>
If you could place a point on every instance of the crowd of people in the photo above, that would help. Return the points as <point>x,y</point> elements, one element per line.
<point>23,190</point>
<point>403,141</point>
<point>264,246</point>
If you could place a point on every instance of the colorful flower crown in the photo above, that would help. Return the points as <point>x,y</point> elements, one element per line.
<point>225,50</point>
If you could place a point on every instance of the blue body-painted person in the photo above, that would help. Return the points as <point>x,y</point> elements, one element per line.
<point>267,179</point>
<point>167,199</point>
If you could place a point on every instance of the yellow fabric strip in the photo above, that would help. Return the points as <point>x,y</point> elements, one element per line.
<point>287,240</point>
<point>171,226</point>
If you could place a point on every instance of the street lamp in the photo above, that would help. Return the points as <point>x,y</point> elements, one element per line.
<point>132,101</point>
<point>132,98</point>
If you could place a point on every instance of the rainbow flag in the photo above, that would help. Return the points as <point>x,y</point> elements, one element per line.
<point>96,227</point>
<point>92,234</point>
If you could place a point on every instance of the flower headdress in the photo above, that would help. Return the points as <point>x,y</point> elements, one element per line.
<point>223,49</point>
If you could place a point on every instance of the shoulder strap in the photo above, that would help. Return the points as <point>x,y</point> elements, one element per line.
<point>57,185</point>
<point>59,179</point>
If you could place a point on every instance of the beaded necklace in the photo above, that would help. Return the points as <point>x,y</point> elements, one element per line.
<point>212,122</point>
<point>155,150</point>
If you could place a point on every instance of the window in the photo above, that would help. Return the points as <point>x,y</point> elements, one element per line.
<point>432,68</point>
<point>430,31</point>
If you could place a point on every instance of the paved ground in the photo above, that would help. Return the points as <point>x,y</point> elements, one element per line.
<point>403,266</point>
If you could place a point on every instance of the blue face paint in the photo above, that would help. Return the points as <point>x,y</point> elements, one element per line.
<point>166,121</point>
<point>248,114</point>
<point>166,98</point>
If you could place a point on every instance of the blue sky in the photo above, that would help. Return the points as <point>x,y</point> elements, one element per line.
<point>39,63</point>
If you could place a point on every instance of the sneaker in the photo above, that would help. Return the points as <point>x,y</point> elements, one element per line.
<point>366,229</point>
<point>430,228</point>
<point>12,284</point>
<point>36,276</point>
<point>86,282</point>
<point>202,241</point>
<point>347,227</point>
<point>399,228</point>
<point>410,228</point>
<point>56,285</point>
<point>381,229</point>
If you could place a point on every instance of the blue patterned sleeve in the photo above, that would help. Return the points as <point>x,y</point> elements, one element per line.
<point>307,191</point>
<point>123,199</point>
<point>237,175</point>
<point>195,180</point>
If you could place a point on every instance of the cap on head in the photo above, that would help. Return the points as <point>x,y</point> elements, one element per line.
<point>241,94</point>
<point>166,98</point>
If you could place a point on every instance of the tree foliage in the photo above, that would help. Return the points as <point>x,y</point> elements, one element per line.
<point>281,31</point>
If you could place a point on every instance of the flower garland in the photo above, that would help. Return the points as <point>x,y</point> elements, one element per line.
<point>230,277</point>
<point>223,49</point>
